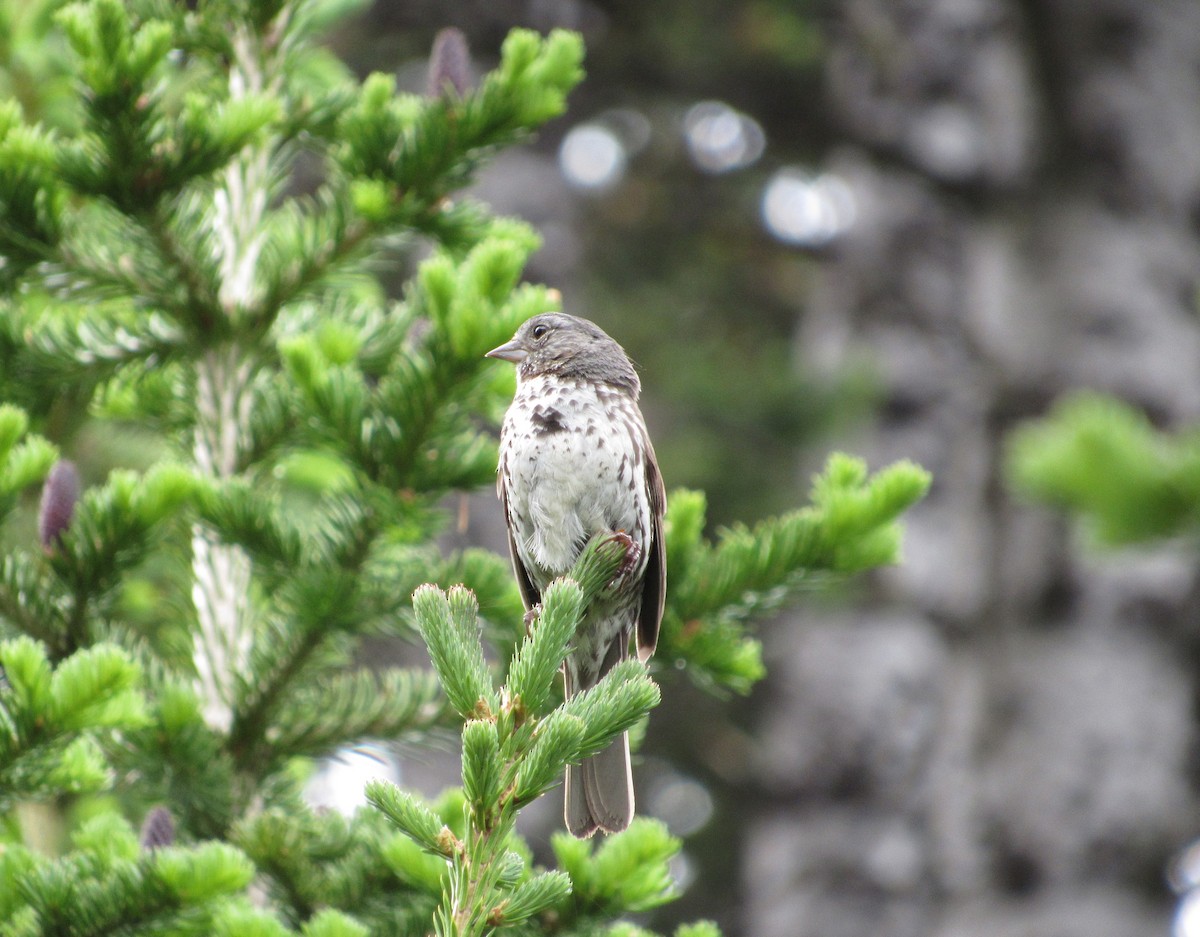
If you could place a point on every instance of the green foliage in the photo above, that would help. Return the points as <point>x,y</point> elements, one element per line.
<point>359,867</point>
<point>414,820</point>
<point>851,525</point>
<point>33,61</point>
<point>31,199</point>
<point>1102,459</point>
<point>450,629</point>
<point>405,411</point>
<point>52,719</point>
<point>64,596</point>
<point>24,459</point>
<point>405,153</point>
<point>513,750</point>
<point>114,526</point>
<point>531,676</point>
<point>106,883</point>
<point>626,872</point>
<point>358,704</point>
<point>698,929</point>
<point>138,147</point>
<point>180,760</point>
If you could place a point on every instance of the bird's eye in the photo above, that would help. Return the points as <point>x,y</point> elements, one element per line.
<point>540,330</point>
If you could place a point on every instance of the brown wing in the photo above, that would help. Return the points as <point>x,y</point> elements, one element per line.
<point>654,585</point>
<point>529,593</point>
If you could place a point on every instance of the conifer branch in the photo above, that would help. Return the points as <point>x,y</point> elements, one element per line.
<point>513,748</point>
<point>200,308</point>
<point>129,891</point>
<point>50,717</point>
<point>181,761</point>
<point>324,611</point>
<point>32,200</point>
<point>101,343</point>
<point>851,525</point>
<point>356,706</point>
<point>248,722</point>
<point>26,602</point>
<point>301,249</point>
<point>1102,459</point>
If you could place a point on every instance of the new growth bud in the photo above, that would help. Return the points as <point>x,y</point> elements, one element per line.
<point>59,495</point>
<point>450,64</point>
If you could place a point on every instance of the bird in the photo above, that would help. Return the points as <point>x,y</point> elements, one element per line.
<point>576,461</point>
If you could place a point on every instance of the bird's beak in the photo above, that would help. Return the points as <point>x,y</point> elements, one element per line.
<point>509,351</point>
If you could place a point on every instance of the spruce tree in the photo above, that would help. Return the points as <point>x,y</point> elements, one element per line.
<point>177,638</point>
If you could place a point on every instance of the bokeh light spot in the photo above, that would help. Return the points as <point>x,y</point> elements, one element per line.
<point>339,779</point>
<point>720,138</point>
<point>683,804</point>
<point>592,157</point>
<point>1187,916</point>
<point>806,210</point>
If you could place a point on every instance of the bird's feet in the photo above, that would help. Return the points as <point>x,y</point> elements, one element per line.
<point>633,556</point>
<point>530,617</point>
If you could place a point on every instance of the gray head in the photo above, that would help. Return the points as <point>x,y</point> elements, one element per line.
<point>567,346</point>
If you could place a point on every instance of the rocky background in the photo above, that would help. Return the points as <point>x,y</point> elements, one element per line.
<point>1003,743</point>
<point>993,202</point>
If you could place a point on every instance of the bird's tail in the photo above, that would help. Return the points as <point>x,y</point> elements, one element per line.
<point>598,794</point>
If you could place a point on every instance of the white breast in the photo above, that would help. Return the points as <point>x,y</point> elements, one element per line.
<point>575,471</point>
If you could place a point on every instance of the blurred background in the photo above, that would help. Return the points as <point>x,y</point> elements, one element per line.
<point>898,228</point>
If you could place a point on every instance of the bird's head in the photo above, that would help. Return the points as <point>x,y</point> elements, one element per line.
<point>566,346</point>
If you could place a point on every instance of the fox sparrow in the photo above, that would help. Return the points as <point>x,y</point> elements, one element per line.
<point>576,461</point>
